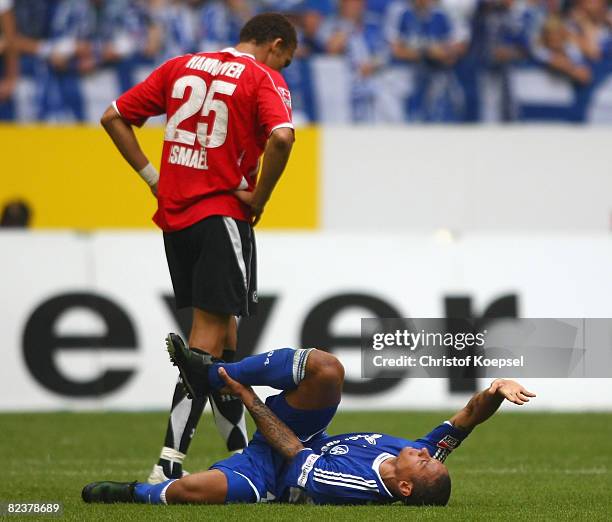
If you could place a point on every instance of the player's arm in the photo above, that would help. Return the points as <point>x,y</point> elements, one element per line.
<point>124,138</point>
<point>133,108</point>
<point>275,431</point>
<point>275,160</point>
<point>10,54</point>
<point>484,404</point>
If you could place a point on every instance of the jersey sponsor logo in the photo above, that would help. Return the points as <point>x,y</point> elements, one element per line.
<point>285,95</point>
<point>339,450</point>
<point>448,442</point>
<point>195,159</point>
<point>306,469</point>
<point>441,454</point>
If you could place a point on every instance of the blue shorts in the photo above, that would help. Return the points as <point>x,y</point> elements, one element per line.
<point>253,475</point>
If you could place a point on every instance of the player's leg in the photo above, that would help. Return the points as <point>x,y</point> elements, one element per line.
<point>312,382</point>
<point>209,333</point>
<point>313,378</point>
<point>321,386</point>
<point>184,416</point>
<point>227,280</point>
<point>207,487</point>
<point>213,267</point>
<point>228,411</point>
<point>184,412</point>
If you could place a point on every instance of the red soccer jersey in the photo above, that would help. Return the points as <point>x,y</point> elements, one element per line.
<point>221,109</point>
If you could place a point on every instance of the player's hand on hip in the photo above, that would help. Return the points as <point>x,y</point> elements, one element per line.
<point>246,197</point>
<point>511,390</point>
<point>234,387</point>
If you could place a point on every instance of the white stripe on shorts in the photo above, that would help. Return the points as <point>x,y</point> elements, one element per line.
<point>234,234</point>
<point>250,484</point>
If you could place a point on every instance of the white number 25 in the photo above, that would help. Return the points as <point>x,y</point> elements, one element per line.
<point>200,99</point>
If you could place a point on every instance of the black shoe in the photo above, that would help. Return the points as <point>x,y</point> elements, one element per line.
<point>108,492</point>
<point>192,364</point>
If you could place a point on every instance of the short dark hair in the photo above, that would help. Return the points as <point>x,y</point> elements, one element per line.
<point>266,27</point>
<point>430,493</point>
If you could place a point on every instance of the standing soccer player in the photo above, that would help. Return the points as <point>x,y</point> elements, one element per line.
<point>224,109</point>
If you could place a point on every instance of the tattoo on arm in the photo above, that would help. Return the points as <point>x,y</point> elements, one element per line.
<point>276,432</point>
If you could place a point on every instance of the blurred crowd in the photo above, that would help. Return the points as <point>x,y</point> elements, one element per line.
<point>405,60</point>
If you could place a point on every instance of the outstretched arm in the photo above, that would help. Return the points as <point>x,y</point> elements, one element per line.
<point>484,404</point>
<point>275,431</point>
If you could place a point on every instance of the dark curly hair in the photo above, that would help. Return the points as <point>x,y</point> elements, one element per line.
<point>430,493</point>
<point>267,27</point>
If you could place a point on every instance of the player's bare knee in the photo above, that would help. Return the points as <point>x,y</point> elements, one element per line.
<point>325,367</point>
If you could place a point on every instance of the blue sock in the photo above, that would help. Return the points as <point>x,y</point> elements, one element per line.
<point>281,369</point>
<point>151,493</point>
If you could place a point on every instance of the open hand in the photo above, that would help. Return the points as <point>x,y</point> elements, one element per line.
<point>234,387</point>
<point>511,390</point>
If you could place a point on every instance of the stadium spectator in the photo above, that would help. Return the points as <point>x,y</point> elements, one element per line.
<point>58,51</point>
<point>503,42</point>
<point>590,29</point>
<point>313,13</point>
<point>421,32</point>
<point>461,14</point>
<point>358,35</point>
<point>123,34</point>
<point>560,54</point>
<point>177,18</point>
<point>8,60</point>
<point>220,23</point>
<point>402,60</point>
<point>79,38</point>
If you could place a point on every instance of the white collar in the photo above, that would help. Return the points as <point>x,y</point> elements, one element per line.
<point>235,52</point>
<point>376,467</point>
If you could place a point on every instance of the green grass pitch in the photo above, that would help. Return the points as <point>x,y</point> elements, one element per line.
<point>516,467</point>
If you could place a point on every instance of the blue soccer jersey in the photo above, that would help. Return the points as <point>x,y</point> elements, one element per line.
<point>344,469</point>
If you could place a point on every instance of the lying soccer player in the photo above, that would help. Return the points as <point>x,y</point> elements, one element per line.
<point>291,458</point>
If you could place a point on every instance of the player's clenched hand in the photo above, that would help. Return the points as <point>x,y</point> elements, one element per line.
<point>234,387</point>
<point>246,197</point>
<point>510,390</point>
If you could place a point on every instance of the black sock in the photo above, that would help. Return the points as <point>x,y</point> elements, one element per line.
<point>184,417</point>
<point>229,414</point>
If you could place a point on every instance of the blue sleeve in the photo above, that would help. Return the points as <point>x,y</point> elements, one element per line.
<point>301,466</point>
<point>443,439</point>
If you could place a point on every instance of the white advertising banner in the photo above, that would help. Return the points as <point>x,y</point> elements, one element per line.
<point>84,316</point>
<point>550,179</point>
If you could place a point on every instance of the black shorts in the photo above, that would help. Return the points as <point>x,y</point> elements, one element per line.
<point>213,266</point>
